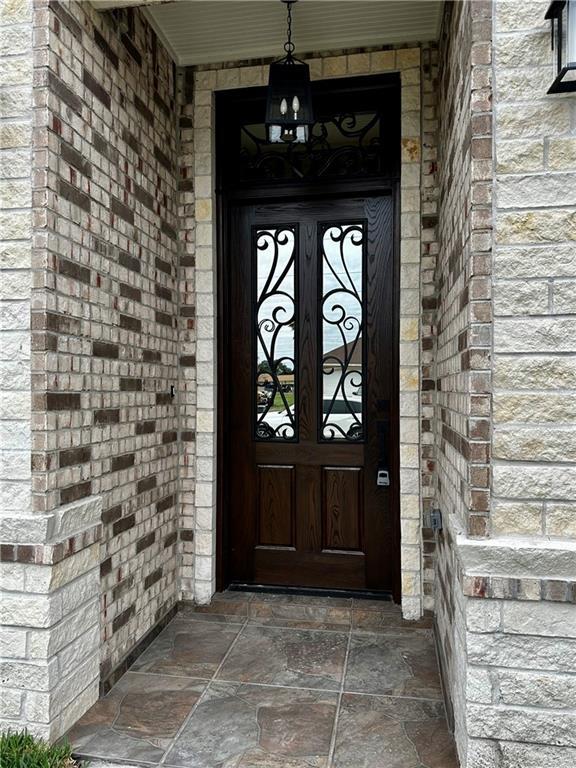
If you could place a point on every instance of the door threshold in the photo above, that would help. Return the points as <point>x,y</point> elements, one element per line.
<point>268,589</point>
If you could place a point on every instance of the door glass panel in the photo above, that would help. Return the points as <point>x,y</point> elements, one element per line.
<point>342,325</point>
<point>275,330</point>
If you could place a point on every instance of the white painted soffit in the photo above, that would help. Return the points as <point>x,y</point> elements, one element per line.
<point>210,31</point>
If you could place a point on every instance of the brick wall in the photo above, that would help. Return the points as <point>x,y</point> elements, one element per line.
<point>463,319</point>
<point>451,322</point>
<point>462,323</point>
<point>105,313</point>
<point>49,655</point>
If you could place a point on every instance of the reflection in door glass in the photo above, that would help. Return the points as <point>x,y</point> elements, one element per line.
<point>275,330</point>
<point>342,318</point>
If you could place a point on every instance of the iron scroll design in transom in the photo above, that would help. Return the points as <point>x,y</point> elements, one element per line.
<point>344,146</point>
<point>275,266</point>
<point>342,321</point>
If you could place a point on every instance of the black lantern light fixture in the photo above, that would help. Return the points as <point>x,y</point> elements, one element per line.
<point>562,15</point>
<point>289,101</point>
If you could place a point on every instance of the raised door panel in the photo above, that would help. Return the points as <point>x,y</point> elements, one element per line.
<point>342,508</point>
<point>276,506</point>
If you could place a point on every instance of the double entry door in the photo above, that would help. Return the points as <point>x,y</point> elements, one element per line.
<point>309,397</point>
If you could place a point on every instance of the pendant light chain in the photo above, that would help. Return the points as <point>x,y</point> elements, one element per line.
<point>289,45</point>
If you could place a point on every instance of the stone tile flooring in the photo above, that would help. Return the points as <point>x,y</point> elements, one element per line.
<point>271,681</point>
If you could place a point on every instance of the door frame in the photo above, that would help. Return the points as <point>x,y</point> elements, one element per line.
<point>200,496</point>
<point>335,191</point>
<point>228,196</point>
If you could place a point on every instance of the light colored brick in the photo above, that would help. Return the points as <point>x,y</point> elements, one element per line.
<point>517,121</point>
<point>545,482</point>
<point>562,153</point>
<point>536,190</point>
<point>522,518</point>
<point>561,520</point>
<point>519,156</point>
<point>521,297</point>
<point>541,619</point>
<point>535,443</point>
<point>535,334</point>
<point>543,372</point>
<point>536,689</point>
<point>549,226</point>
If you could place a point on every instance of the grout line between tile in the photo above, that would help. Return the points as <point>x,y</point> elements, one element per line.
<point>169,675</point>
<point>202,696</point>
<point>288,687</point>
<point>340,694</point>
<point>394,696</point>
<point>277,685</point>
<point>343,630</point>
<point>208,617</point>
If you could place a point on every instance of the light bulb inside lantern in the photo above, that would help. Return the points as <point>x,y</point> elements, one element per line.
<point>283,107</point>
<point>295,106</point>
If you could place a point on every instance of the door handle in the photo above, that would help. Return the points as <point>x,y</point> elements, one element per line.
<point>383,472</point>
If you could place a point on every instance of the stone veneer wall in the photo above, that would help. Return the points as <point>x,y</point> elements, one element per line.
<point>534,285</point>
<point>506,613</point>
<point>521,606</point>
<point>199,491</point>
<point>92,290</point>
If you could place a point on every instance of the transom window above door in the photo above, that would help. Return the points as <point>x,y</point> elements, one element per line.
<point>355,135</point>
<point>342,145</point>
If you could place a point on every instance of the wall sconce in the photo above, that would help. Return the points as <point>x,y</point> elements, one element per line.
<point>562,15</point>
<point>289,99</point>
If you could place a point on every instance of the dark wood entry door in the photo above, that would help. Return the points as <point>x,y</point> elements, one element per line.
<point>310,395</point>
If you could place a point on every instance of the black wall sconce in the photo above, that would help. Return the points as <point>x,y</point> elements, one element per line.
<point>562,15</point>
<point>289,100</point>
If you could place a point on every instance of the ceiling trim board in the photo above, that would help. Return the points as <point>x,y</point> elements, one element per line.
<point>209,32</point>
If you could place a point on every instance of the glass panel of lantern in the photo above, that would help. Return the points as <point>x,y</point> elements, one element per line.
<point>289,102</point>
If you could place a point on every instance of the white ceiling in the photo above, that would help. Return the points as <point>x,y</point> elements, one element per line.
<point>210,31</point>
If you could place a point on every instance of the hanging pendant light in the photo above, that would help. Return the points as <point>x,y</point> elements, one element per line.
<point>289,100</point>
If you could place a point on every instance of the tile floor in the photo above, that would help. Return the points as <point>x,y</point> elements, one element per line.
<point>270,681</point>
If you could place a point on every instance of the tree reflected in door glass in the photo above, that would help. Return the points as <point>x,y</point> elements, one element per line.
<point>342,324</point>
<point>275,327</point>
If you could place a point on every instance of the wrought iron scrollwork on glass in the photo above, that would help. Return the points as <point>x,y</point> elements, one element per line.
<point>342,324</point>
<point>345,145</point>
<point>275,324</point>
